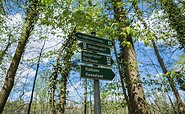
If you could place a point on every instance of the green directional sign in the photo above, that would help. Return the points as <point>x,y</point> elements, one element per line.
<point>97,59</point>
<point>93,39</point>
<point>96,73</point>
<point>94,48</point>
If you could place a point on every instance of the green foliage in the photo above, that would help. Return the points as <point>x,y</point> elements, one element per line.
<point>47,2</point>
<point>61,17</point>
<point>126,44</point>
<point>112,100</point>
<point>176,18</point>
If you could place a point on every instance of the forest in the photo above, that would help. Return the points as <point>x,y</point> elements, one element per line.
<point>49,50</point>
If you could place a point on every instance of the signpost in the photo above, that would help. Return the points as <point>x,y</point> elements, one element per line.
<point>93,39</point>
<point>94,48</point>
<point>97,59</point>
<point>96,73</point>
<point>96,45</point>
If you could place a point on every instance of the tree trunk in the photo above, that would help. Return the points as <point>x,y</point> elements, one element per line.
<point>54,76</point>
<point>122,75</point>
<point>179,101</point>
<point>134,85</point>
<point>65,71</point>
<point>9,79</point>
<point>165,71</point>
<point>53,79</point>
<point>135,90</point>
<point>175,112</point>
<point>35,78</point>
<point>2,53</point>
<point>63,93</point>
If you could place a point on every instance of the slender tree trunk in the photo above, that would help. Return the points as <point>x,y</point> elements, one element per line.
<point>54,75</point>
<point>33,88</point>
<point>165,71</point>
<point>65,72</point>
<point>160,60</point>
<point>10,76</point>
<point>122,75</point>
<point>134,86</point>
<point>53,87</point>
<point>175,112</point>
<point>2,53</point>
<point>159,108</point>
<point>63,93</point>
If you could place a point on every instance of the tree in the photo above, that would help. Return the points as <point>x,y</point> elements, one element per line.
<point>128,56</point>
<point>111,19</point>
<point>63,67</point>
<point>65,71</point>
<point>54,75</point>
<point>160,60</point>
<point>35,78</point>
<point>10,76</point>
<point>176,18</point>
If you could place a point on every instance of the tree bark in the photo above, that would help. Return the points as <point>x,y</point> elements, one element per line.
<point>175,112</point>
<point>53,79</point>
<point>54,75</point>
<point>63,93</point>
<point>165,71</point>
<point>2,53</point>
<point>134,85</point>
<point>160,60</point>
<point>9,79</point>
<point>65,71</point>
<point>122,78</point>
<point>35,78</point>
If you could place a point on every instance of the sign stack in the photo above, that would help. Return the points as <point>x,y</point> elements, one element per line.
<point>91,46</point>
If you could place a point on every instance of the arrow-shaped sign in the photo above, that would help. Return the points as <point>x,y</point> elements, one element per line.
<point>97,59</point>
<point>93,39</point>
<point>94,48</point>
<point>96,73</point>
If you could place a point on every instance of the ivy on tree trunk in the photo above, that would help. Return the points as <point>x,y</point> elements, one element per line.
<point>128,56</point>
